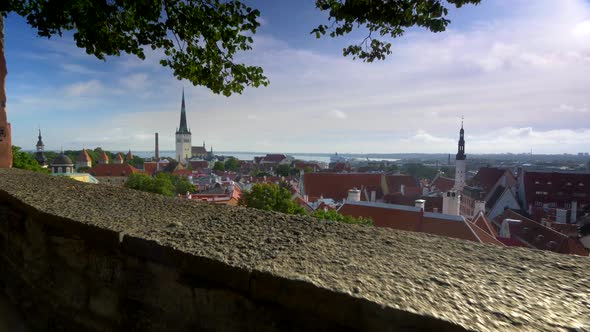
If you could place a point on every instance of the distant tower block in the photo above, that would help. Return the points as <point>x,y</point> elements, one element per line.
<point>183,137</point>
<point>460,165</point>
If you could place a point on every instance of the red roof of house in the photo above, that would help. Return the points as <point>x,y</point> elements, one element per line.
<point>113,170</point>
<point>538,236</point>
<point>411,219</point>
<point>482,222</point>
<point>561,187</point>
<point>442,183</point>
<point>199,164</point>
<point>84,156</point>
<point>410,183</point>
<point>336,185</point>
<point>103,157</point>
<point>487,177</point>
<point>275,158</point>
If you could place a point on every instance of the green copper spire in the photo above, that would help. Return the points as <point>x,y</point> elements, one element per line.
<point>183,128</point>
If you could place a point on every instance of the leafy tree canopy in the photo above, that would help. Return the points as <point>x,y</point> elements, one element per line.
<point>232,164</point>
<point>25,160</point>
<point>383,18</point>
<point>162,183</point>
<point>270,197</point>
<point>219,166</point>
<point>198,38</point>
<point>283,170</point>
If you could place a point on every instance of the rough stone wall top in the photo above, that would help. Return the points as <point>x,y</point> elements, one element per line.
<point>475,286</point>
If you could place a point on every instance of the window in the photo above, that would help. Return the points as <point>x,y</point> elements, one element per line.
<point>568,184</point>
<point>537,182</point>
<point>581,184</point>
<point>548,182</point>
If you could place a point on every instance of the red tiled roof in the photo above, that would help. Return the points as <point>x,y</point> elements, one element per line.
<point>113,170</point>
<point>103,157</point>
<point>538,236</point>
<point>84,156</point>
<point>151,167</point>
<point>561,188</point>
<point>411,184</point>
<point>410,219</point>
<point>199,164</point>
<point>275,158</point>
<point>336,185</point>
<point>442,183</point>
<point>482,222</point>
<point>487,177</point>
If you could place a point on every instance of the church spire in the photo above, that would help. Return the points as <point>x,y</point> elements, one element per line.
<point>182,129</point>
<point>40,144</point>
<point>461,151</point>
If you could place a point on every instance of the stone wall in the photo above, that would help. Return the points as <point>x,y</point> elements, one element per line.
<point>82,257</point>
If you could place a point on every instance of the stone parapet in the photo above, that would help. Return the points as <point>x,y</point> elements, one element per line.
<point>82,257</point>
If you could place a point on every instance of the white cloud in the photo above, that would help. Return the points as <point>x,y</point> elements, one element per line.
<point>519,78</point>
<point>86,88</point>
<point>338,114</point>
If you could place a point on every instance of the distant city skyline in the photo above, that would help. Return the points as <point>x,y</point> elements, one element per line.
<point>518,71</point>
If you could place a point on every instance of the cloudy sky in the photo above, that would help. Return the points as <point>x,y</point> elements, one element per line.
<point>518,70</point>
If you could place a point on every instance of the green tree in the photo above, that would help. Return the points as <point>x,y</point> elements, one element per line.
<point>198,38</point>
<point>180,183</point>
<point>232,164</point>
<point>382,17</point>
<point>270,197</point>
<point>283,170</point>
<point>333,215</point>
<point>420,171</point>
<point>25,160</point>
<point>219,166</point>
<point>160,184</point>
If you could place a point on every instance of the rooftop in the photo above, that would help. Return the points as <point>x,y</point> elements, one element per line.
<point>374,277</point>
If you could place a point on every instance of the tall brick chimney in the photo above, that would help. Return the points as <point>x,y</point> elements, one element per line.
<point>5,136</point>
<point>157,149</point>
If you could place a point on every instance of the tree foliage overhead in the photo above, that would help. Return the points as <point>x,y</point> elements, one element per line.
<point>385,18</point>
<point>198,38</point>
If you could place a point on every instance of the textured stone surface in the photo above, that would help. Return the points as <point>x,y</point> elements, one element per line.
<point>361,277</point>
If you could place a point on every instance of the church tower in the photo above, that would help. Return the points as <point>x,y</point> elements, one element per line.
<point>460,162</point>
<point>40,154</point>
<point>183,137</point>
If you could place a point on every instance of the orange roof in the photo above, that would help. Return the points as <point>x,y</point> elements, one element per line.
<point>336,185</point>
<point>103,157</point>
<point>442,183</point>
<point>410,218</point>
<point>113,170</point>
<point>487,177</point>
<point>119,157</point>
<point>83,156</point>
<point>482,222</point>
<point>411,184</point>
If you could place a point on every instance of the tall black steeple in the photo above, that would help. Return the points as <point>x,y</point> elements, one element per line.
<point>183,128</point>
<point>40,155</point>
<point>461,151</point>
<point>40,144</point>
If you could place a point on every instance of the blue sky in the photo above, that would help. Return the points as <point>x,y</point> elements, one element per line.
<point>518,70</point>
